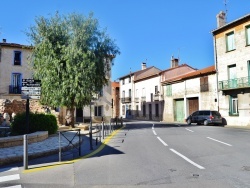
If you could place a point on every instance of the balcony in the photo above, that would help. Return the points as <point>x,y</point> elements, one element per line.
<point>157,97</point>
<point>126,99</point>
<point>136,99</point>
<point>14,89</point>
<point>237,83</point>
<point>143,99</point>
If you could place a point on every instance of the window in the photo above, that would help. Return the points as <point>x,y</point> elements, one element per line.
<point>129,93</point>
<point>144,110</point>
<point>156,110</point>
<point>151,97</point>
<point>17,58</point>
<point>169,90</point>
<point>248,35</point>
<point>123,110</point>
<point>204,84</point>
<point>143,92</point>
<point>156,90</point>
<point>230,41</point>
<point>16,81</point>
<point>123,94</point>
<point>232,76</point>
<point>98,110</point>
<point>129,80</point>
<point>233,105</point>
<point>123,82</point>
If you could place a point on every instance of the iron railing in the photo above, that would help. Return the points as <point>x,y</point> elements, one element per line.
<point>126,99</point>
<point>234,83</point>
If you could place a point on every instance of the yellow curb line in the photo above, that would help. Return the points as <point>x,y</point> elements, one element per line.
<point>106,141</point>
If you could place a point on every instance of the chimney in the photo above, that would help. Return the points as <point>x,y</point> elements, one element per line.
<point>143,66</point>
<point>221,19</point>
<point>174,62</point>
<point>4,40</point>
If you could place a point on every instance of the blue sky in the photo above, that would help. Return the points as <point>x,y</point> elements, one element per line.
<point>148,31</point>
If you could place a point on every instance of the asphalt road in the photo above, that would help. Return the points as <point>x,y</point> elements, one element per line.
<point>157,155</point>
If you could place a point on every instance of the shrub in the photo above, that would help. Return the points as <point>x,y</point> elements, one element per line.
<point>37,122</point>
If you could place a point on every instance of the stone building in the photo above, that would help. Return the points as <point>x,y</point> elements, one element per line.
<point>189,92</point>
<point>232,61</point>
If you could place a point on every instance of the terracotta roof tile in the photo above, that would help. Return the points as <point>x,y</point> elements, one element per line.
<point>197,73</point>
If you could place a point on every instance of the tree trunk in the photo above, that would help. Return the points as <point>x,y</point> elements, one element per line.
<point>70,117</point>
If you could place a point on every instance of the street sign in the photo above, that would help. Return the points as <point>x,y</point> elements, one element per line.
<point>31,89</point>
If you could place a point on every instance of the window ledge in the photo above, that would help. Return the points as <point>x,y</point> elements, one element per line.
<point>233,115</point>
<point>230,50</point>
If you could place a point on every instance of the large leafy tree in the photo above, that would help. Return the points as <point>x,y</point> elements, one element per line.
<point>72,57</point>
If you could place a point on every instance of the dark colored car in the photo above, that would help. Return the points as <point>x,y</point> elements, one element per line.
<point>205,117</point>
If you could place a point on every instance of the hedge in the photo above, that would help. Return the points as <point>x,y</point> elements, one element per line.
<point>37,122</point>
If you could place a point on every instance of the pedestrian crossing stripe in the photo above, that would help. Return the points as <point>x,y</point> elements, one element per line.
<point>9,178</point>
<point>15,186</point>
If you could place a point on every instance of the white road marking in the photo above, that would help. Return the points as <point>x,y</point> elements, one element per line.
<point>15,186</point>
<point>10,178</point>
<point>8,169</point>
<point>219,141</point>
<point>164,143</point>
<point>187,159</point>
<point>189,130</point>
<point>153,126</point>
<point>154,132</point>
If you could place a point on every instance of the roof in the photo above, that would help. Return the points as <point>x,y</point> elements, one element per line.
<point>247,16</point>
<point>15,45</point>
<point>140,72</point>
<point>182,65</point>
<point>150,72</point>
<point>195,74</point>
<point>115,84</point>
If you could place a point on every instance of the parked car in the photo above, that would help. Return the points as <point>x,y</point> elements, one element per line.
<point>205,117</point>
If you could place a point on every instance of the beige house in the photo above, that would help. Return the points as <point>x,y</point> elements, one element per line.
<point>232,61</point>
<point>189,92</point>
<point>13,68</point>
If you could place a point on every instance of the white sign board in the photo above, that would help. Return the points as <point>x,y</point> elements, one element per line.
<point>31,89</point>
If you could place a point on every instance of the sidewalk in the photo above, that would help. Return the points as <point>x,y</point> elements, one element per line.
<point>50,146</point>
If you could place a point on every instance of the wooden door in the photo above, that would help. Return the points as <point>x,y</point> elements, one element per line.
<point>193,105</point>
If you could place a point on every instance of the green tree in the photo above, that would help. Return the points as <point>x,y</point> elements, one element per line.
<point>72,57</point>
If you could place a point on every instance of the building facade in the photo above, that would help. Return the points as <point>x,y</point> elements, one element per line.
<point>14,66</point>
<point>232,61</point>
<point>140,94</point>
<point>189,92</point>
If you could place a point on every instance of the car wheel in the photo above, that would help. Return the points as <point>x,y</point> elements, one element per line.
<point>189,121</point>
<point>205,122</point>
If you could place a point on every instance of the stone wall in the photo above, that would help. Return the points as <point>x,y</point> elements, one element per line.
<point>19,106</point>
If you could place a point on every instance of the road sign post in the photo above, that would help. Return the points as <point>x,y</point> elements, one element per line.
<point>31,89</point>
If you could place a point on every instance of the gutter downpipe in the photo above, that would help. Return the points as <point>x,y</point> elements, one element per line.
<point>216,68</point>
